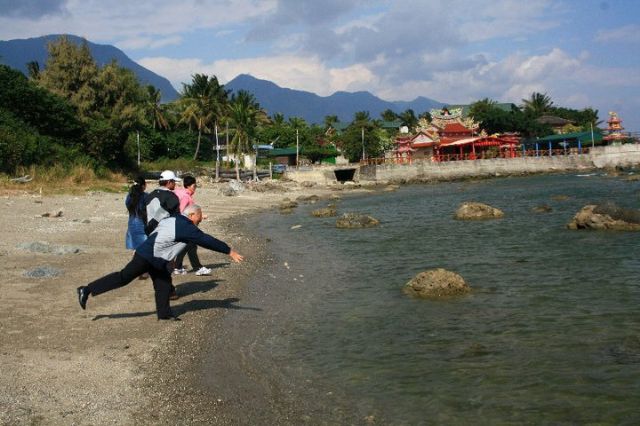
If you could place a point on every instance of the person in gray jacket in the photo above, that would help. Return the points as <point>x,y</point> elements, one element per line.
<point>156,256</point>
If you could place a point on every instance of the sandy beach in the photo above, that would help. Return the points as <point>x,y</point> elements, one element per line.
<point>113,363</point>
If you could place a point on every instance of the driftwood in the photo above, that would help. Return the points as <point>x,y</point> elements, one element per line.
<point>22,179</point>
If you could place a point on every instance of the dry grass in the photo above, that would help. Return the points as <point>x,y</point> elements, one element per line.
<point>59,179</point>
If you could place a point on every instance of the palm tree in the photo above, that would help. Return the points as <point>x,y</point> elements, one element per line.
<point>154,108</point>
<point>408,118</point>
<point>246,116</point>
<point>537,104</point>
<point>329,121</point>
<point>388,115</point>
<point>205,102</point>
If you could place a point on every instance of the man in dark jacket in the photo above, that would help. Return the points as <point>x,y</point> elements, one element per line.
<point>162,202</point>
<point>157,256</point>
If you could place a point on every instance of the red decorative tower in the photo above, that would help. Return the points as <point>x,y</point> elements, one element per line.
<point>615,129</point>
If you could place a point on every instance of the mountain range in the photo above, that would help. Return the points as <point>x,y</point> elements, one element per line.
<point>273,98</point>
<point>314,108</point>
<point>18,53</point>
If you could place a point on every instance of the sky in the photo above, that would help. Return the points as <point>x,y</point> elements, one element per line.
<point>581,53</point>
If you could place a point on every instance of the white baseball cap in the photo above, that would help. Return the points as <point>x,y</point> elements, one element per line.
<point>169,175</point>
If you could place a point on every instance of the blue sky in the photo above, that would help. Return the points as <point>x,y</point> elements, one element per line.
<point>582,53</point>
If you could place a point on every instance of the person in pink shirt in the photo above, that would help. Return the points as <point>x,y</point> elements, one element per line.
<point>185,195</point>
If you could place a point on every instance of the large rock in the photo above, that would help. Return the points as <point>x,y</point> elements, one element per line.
<point>356,220</point>
<point>606,216</point>
<point>477,211</point>
<point>435,283</point>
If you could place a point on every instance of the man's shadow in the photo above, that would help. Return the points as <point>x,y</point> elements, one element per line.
<point>192,305</point>
<point>199,305</point>
<point>193,287</point>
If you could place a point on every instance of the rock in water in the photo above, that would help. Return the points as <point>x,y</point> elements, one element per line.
<point>435,283</point>
<point>324,212</point>
<point>477,211</point>
<point>356,220</point>
<point>606,216</point>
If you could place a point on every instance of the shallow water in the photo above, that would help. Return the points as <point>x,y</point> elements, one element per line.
<point>550,333</point>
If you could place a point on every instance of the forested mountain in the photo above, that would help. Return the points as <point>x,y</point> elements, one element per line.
<point>314,108</point>
<point>273,98</point>
<point>18,53</point>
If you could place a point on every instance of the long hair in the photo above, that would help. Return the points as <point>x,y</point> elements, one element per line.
<point>135,193</point>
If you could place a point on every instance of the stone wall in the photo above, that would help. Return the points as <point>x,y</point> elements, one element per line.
<point>627,155</point>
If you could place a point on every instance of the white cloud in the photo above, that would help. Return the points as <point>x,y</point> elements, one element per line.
<point>293,72</point>
<point>625,34</point>
<point>149,42</point>
<point>111,20</point>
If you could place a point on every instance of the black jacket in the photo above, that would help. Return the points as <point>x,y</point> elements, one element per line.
<point>161,203</point>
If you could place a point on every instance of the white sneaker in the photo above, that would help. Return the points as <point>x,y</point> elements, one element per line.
<point>179,271</point>
<point>203,271</point>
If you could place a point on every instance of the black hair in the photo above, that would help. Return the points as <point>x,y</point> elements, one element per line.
<point>187,181</point>
<point>135,192</point>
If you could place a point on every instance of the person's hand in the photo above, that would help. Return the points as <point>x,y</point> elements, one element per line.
<point>237,257</point>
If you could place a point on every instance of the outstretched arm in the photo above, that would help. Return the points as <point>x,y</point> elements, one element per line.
<point>237,257</point>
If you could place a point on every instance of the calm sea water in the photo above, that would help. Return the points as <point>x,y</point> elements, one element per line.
<point>550,333</point>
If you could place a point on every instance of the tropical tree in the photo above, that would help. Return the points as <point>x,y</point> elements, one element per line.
<point>330,120</point>
<point>538,104</point>
<point>361,138</point>
<point>204,102</point>
<point>246,117</point>
<point>71,72</point>
<point>388,115</point>
<point>154,108</point>
<point>408,118</point>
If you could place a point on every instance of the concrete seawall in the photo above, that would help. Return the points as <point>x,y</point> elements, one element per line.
<point>627,155</point>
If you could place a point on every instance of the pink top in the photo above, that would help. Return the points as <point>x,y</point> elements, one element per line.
<point>185,198</point>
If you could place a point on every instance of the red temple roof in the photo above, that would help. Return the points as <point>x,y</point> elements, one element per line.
<point>456,128</point>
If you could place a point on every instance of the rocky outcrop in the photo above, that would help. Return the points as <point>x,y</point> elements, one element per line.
<point>477,211</point>
<point>286,206</point>
<point>607,216</point>
<point>435,283</point>
<point>328,211</point>
<point>356,220</point>
<point>233,188</point>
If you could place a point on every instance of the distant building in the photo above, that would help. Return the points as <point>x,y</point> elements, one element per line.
<point>557,124</point>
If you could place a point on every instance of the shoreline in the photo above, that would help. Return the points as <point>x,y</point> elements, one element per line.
<point>68,366</point>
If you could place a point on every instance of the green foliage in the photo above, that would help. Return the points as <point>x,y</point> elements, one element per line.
<point>538,104</point>
<point>493,119</point>
<point>71,72</point>
<point>18,143</point>
<point>204,103</point>
<point>582,119</point>
<point>359,136</point>
<point>39,108</point>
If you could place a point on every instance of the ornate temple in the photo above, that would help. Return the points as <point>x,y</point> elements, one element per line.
<point>450,136</point>
<point>614,129</point>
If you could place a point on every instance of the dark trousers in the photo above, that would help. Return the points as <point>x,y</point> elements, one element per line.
<point>137,266</point>
<point>190,250</point>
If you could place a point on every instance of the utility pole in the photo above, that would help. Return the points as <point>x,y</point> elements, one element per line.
<point>363,155</point>
<point>297,149</point>
<point>138,139</point>
<point>217,153</point>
